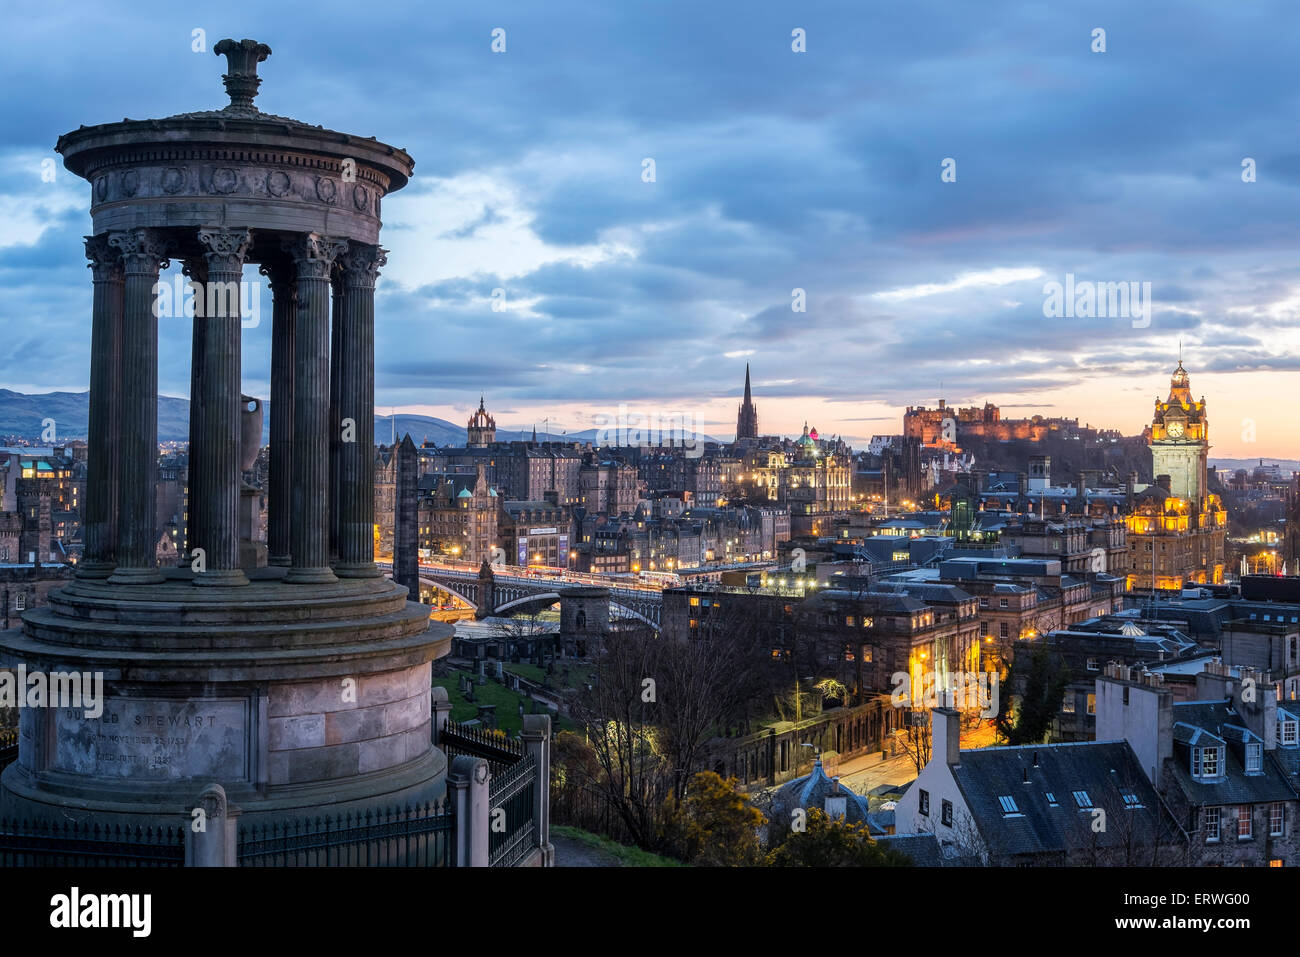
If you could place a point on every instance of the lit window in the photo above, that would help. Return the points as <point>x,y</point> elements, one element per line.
<point>1205,762</point>
<point>1092,703</point>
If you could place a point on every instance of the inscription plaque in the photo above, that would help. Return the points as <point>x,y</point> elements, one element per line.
<point>155,740</point>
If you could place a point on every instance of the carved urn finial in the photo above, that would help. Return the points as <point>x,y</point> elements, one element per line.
<point>242,81</point>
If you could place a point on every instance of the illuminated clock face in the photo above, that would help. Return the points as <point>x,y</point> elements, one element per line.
<point>1174,429</point>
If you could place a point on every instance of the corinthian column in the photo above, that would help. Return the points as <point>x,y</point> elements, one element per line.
<point>143,256</point>
<point>314,256</point>
<point>105,426</point>
<point>217,519</point>
<point>284,295</point>
<point>336,357</point>
<point>356,495</point>
<point>196,270</point>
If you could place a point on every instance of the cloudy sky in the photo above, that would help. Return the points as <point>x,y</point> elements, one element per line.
<point>774,170</point>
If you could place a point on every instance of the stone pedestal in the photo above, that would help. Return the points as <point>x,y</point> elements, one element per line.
<point>294,699</point>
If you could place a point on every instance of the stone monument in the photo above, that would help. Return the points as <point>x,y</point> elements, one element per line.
<point>297,686</point>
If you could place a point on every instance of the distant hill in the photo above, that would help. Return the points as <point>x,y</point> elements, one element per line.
<point>23,415</point>
<point>1231,465</point>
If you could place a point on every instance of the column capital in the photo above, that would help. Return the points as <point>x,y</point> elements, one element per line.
<point>105,260</point>
<point>225,247</point>
<point>144,249</point>
<point>280,273</point>
<point>361,264</point>
<point>195,268</point>
<point>314,254</point>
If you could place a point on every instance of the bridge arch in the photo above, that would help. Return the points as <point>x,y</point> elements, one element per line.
<point>449,589</point>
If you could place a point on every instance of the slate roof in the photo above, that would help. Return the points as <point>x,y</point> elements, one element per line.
<point>1030,773</point>
<point>923,849</point>
<point>811,791</point>
<point>1199,723</point>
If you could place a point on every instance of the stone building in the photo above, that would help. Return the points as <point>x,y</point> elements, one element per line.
<point>1224,764</point>
<point>608,487</point>
<point>1037,805</point>
<point>458,516</point>
<point>535,533</point>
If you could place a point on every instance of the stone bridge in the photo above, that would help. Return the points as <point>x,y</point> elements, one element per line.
<point>497,593</point>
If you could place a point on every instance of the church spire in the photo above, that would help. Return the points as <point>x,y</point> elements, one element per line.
<point>747,417</point>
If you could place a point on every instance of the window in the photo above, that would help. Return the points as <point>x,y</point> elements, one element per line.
<point>1008,804</point>
<point>1082,799</point>
<point>1092,702</point>
<point>1067,705</point>
<point>1002,603</point>
<point>1092,664</point>
<point>1002,629</point>
<point>1286,730</point>
<point>925,803</point>
<point>1212,815</point>
<point>984,602</point>
<point>20,602</point>
<point>1276,819</point>
<point>946,812</point>
<point>1051,799</point>
<point>1205,762</point>
<point>1254,758</point>
<point>1244,823</point>
<point>1131,800</point>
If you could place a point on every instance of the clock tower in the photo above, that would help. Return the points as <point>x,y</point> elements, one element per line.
<point>1180,441</point>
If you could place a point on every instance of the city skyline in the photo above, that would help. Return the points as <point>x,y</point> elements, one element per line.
<point>774,171</point>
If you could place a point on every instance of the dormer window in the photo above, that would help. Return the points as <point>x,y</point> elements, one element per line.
<point>1254,758</point>
<point>1287,732</point>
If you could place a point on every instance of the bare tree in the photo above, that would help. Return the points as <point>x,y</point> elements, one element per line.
<point>521,631</point>
<point>916,739</point>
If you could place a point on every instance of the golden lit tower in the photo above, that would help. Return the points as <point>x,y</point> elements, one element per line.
<point>1180,441</point>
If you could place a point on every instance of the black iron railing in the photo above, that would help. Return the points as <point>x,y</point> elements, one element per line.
<point>413,836</point>
<point>511,819</point>
<point>501,753</point>
<point>82,844</point>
